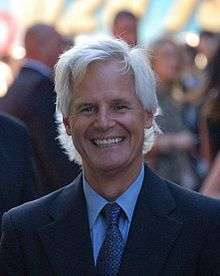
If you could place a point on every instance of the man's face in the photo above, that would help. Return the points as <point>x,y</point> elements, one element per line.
<point>107,120</point>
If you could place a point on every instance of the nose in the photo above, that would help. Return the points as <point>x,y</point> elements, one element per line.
<point>104,120</point>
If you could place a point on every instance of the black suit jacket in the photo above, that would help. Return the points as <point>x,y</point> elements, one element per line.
<point>31,98</point>
<point>173,232</point>
<point>18,180</point>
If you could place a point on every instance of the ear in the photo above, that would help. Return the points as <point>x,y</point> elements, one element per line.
<point>66,122</point>
<point>148,118</point>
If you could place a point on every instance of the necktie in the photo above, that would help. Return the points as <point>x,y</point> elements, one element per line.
<point>109,257</point>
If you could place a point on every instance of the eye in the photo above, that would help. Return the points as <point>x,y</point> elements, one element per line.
<point>120,107</point>
<point>87,109</point>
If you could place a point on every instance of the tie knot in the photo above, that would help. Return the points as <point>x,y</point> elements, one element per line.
<point>112,212</point>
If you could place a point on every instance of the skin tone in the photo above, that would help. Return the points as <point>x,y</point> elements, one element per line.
<point>166,63</point>
<point>126,28</point>
<point>107,124</point>
<point>43,43</point>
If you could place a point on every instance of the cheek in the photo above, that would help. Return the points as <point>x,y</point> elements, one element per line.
<point>79,128</point>
<point>77,134</point>
<point>134,123</point>
<point>67,124</point>
<point>76,128</point>
<point>72,125</point>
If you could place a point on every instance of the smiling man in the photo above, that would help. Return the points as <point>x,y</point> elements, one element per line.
<point>107,124</point>
<point>117,217</point>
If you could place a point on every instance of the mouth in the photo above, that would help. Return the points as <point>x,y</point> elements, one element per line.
<point>107,142</point>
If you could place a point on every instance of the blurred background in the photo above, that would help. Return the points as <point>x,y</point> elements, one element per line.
<point>74,18</point>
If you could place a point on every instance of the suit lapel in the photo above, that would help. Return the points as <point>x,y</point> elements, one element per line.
<point>3,152</point>
<point>67,239</point>
<point>4,163</point>
<point>153,232</point>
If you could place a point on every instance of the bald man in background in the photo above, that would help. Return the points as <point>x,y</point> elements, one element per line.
<point>125,27</point>
<point>31,98</point>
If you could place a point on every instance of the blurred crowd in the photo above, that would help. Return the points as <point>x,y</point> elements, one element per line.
<point>187,151</point>
<point>189,99</point>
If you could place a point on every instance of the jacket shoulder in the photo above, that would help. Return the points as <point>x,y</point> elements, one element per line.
<point>195,204</point>
<point>36,213</point>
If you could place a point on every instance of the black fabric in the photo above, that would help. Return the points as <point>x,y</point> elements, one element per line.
<point>18,179</point>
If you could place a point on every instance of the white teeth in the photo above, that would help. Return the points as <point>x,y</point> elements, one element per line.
<point>107,142</point>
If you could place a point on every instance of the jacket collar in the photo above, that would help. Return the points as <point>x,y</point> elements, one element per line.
<point>67,239</point>
<point>152,233</point>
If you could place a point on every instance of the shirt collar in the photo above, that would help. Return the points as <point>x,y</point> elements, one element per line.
<point>38,66</point>
<point>127,200</point>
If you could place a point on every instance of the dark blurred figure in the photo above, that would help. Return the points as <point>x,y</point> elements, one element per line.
<point>170,154</point>
<point>191,81</point>
<point>210,111</point>
<point>210,128</point>
<point>18,179</point>
<point>208,43</point>
<point>194,79</point>
<point>211,185</point>
<point>31,98</point>
<point>125,26</point>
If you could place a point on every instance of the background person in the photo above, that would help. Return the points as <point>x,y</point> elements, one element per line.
<point>125,27</point>
<point>31,98</point>
<point>209,126</point>
<point>170,155</point>
<point>209,111</point>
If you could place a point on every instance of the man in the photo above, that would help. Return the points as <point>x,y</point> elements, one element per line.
<point>117,218</point>
<point>125,26</point>
<point>18,179</point>
<point>31,98</point>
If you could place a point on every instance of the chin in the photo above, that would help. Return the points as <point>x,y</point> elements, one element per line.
<point>111,166</point>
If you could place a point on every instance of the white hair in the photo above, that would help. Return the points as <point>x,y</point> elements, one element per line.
<point>71,69</point>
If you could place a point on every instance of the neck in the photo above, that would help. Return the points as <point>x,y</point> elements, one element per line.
<point>111,184</point>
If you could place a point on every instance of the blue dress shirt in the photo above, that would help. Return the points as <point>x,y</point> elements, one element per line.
<point>95,204</point>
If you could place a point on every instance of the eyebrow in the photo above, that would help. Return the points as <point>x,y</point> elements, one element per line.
<point>79,103</point>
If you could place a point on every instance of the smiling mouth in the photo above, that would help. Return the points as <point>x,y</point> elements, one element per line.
<point>107,142</point>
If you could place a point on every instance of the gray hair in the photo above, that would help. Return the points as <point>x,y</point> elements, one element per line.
<point>71,69</point>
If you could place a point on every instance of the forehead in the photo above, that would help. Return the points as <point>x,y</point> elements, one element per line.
<point>110,72</point>
<point>105,79</point>
<point>111,64</point>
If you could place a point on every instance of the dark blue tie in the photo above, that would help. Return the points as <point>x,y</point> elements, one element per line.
<point>109,257</point>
